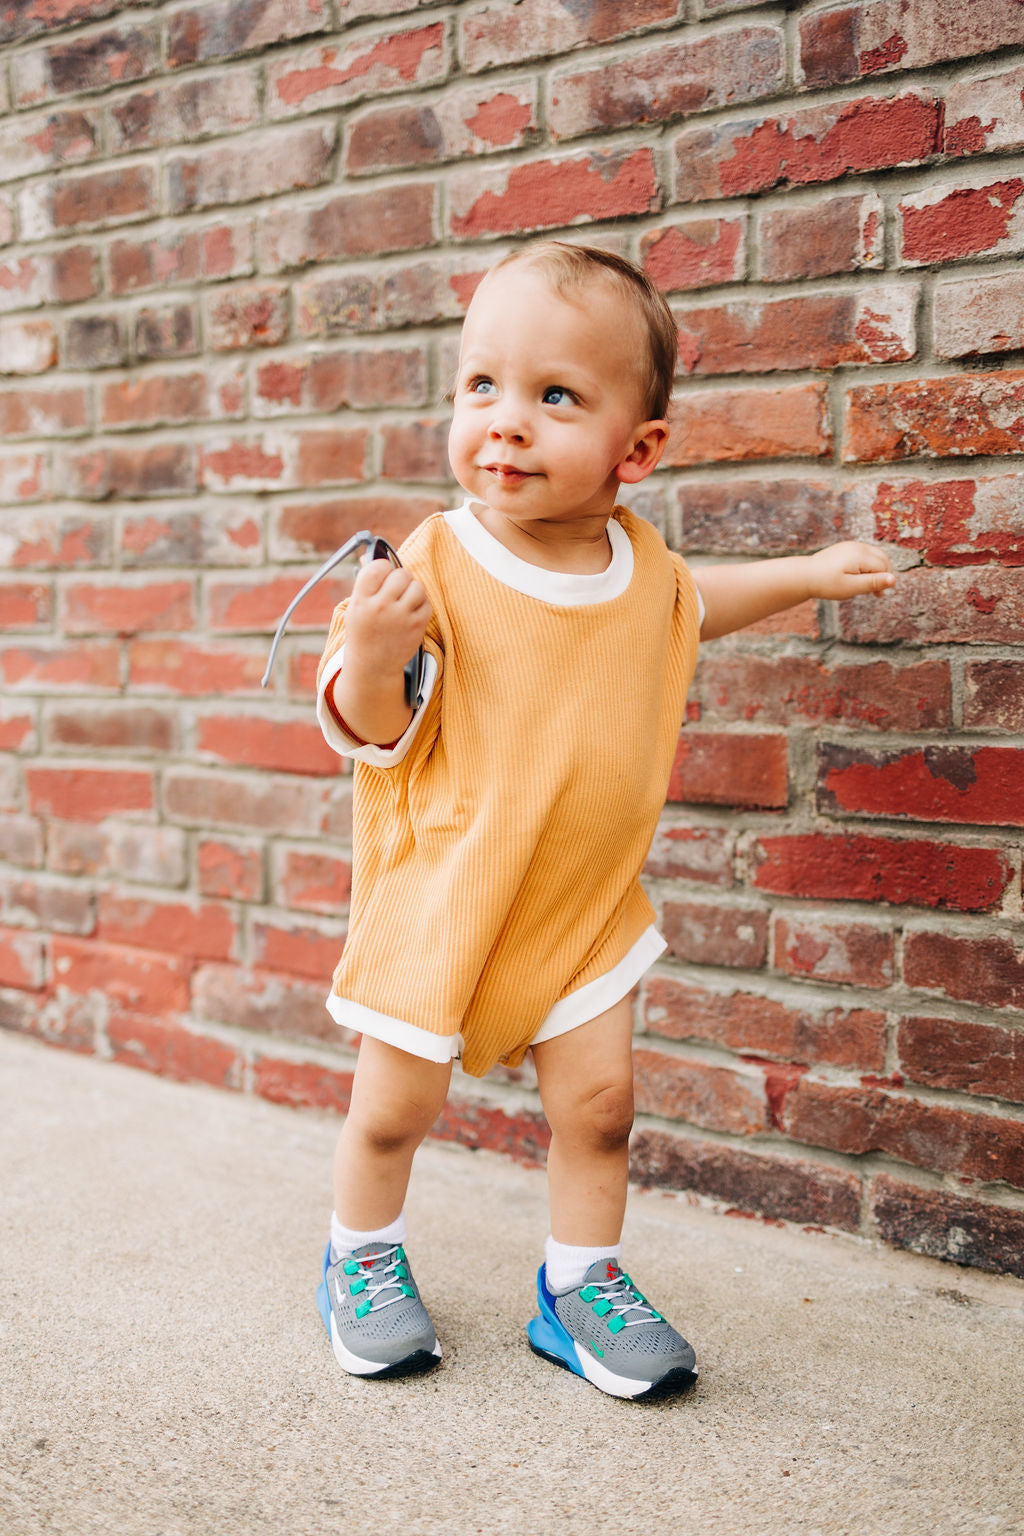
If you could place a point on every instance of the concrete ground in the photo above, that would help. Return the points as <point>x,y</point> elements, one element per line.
<point>163,1370</point>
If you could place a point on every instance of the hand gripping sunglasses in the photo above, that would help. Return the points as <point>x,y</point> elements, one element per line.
<point>379,549</point>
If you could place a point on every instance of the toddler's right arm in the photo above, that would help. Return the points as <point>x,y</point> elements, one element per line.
<point>385,621</point>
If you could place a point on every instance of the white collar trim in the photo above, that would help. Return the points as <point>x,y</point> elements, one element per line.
<point>562,588</point>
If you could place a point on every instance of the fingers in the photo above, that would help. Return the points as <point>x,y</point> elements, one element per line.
<point>383,585</point>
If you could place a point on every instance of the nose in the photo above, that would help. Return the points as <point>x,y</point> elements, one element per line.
<point>509,423</point>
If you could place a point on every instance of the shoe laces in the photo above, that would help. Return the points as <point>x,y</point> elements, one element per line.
<point>372,1277</point>
<point>615,1298</point>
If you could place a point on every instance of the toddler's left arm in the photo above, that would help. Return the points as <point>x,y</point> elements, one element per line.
<point>737,595</point>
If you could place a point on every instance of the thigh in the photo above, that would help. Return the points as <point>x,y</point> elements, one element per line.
<point>574,1068</point>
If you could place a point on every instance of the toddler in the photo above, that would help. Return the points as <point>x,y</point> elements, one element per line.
<point>503,816</point>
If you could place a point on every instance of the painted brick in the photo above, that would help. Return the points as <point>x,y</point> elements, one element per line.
<point>985,114</point>
<point>279,460</point>
<point>17,728</point>
<point>812,144</point>
<point>25,283</point>
<point>53,667</point>
<point>97,608</point>
<point>876,35</point>
<point>852,954</point>
<point>229,869</point>
<point>987,969</point>
<point>23,959</point>
<point>312,881</point>
<point>332,305</point>
<point>47,141</point>
<point>958,606</point>
<point>216,536</point>
<point>88,794</point>
<point>716,933</point>
<point>329,76</point>
<point>546,194</point>
<point>144,984</point>
<point>192,797</point>
<point>393,218</point>
<point>26,604</point>
<point>27,346</point>
<point>263,1002</point>
<point>430,290</point>
<point>966,221</point>
<point>666,81</point>
<point>86,63</point>
<point>860,1121</point>
<point>952,522</point>
<point>253,316</point>
<point>124,850</point>
<point>701,854</point>
<point>281,746</point>
<point>976,316</point>
<point>172,1050</point>
<point>194,931</point>
<point>809,331</point>
<point>963,1056</point>
<point>778,690</point>
<point>479,120</point>
<point>361,379</point>
<point>716,768</point>
<point>25,21</point>
<point>714,1098</point>
<point>945,1226</point>
<point>224,30</point>
<point>695,253</point>
<point>803,1032</point>
<point>954,416</point>
<point>834,234</point>
<point>981,786</point>
<point>739,425</point>
<point>282,160</point>
<point>994,696</point>
<point>21,841</point>
<point>111,727</point>
<point>154,263</point>
<point>522,1135</point>
<point>761,517</point>
<point>781,1189</point>
<point>206,106</point>
<point>59,906</point>
<point>492,35</point>
<point>901,871</point>
<point>60,412</point>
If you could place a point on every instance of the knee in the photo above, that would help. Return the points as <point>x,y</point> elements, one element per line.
<point>605,1119</point>
<point>389,1128</point>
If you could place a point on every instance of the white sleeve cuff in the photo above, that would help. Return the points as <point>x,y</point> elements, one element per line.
<point>365,752</point>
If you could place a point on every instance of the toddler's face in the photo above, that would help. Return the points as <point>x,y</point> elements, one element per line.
<point>548,400</point>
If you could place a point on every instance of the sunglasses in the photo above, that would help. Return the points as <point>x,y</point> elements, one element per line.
<point>378,549</point>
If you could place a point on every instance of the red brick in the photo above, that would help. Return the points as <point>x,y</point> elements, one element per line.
<point>415,450</point>
<point>61,906</point>
<point>303,530</point>
<point>54,668</point>
<point>811,144</point>
<point>285,460</point>
<point>667,80</point>
<point>58,412</point>
<point>86,63</point>
<point>162,115</point>
<point>933,606</point>
<point>963,222</point>
<point>781,690</point>
<point>92,199</point>
<point>475,121</point>
<point>172,1050</point>
<point>751,1023</point>
<point>27,346</point>
<point>88,794</point>
<point>876,35</point>
<point>834,234</point>
<point>155,399</point>
<point>695,253</point>
<point>150,985</point>
<point>853,954</point>
<point>264,1002</point>
<point>973,317</point>
<point>901,871</point>
<point>702,854</point>
<point>295,948</point>
<point>547,194</point>
<point>809,331</point>
<point>152,263</point>
<point>292,746</point>
<point>53,538</point>
<point>715,1098</point>
<point>166,330</point>
<point>994,696</point>
<point>193,668</point>
<point>495,35</point>
<point>25,282</point>
<point>984,114</point>
<point>229,869</point>
<point>156,469</point>
<point>313,882</point>
<point>21,841</point>
<point>220,29</point>
<point>953,522</point>
<point>258,603</point>
<point>94,608</point>
<point>935,418</point>
<point>981,786</point>
<point>301,1084</point>
<point>332,381</point>
<point>425,291</point>
<point>760,517</point>
<point>942,1226</point>
<point>94,341</point>
<point>325,306</point>
<point>26,604</point>
<point>195,932</point>
<point>216,536</point>
<point>781,1189</point>
<point>715,768</point>
<point>962,1056</point>
<point>522,1135</point>
<point>22,959</point>
<point>987,970</point>
<point>863,1120</point>
<point>714,933</point>
<point>283,160</point>
<point>738,425</point>
<point>389,218</point>
<point>120,727</point>
<point>155,855</point>
<point>326,76</point>
<point>24,21</point>
<point>258,803</point>
<point>254,316</point>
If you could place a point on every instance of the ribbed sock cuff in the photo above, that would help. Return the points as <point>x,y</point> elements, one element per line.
<point>347,1240</point>
<point>566,1265</point>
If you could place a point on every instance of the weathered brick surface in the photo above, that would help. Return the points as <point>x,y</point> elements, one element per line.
<point>237,239</point>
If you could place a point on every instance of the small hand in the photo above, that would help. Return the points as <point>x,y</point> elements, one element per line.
<point>849,570</point>
<point>386,619</point>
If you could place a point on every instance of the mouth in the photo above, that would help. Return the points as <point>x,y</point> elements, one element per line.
<point>508,474</point>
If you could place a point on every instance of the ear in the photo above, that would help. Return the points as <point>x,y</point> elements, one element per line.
<point>649,442</point>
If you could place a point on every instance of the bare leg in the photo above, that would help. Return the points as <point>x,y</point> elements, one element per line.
<point>586,1087</point>
<point>396,1098</point>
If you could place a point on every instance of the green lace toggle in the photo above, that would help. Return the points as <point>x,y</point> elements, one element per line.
<point>401,1271</point>
<point>351,1268</point>
<point>407,1290</point>
<point>356,1287</point>
<point>362,1309</point>
<point>616,1325</point>
<point>602,1307</point>
<point>400,1254</point>
<point>588,1293</point>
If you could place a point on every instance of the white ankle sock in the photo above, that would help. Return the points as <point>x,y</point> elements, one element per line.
<point>565,1265</point>
<point>346,1240</point>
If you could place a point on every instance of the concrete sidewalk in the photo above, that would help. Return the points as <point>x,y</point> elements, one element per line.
<point>163,1371</point>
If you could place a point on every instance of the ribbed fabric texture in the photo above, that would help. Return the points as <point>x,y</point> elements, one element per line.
<point>495,869</point>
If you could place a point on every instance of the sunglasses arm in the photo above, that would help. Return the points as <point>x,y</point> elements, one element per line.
<point>357,541</point>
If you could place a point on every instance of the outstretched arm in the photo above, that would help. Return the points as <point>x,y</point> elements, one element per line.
<point>737,595</point>
<point>385,621</point>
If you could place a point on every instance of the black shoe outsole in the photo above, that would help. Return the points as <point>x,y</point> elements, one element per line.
<point>671,1385</point>
<point>412,1365</point>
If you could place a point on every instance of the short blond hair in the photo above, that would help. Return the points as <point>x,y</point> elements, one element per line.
<point>570,267</point>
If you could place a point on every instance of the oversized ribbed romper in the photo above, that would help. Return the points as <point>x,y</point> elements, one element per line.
<point>497,846</point>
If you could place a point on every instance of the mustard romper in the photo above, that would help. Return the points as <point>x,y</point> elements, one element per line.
<point>497,846</point>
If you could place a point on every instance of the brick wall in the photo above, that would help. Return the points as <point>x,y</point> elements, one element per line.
<point>236,240</point>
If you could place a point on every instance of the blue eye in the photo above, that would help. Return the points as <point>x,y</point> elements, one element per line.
<point>482,387</point>
<point>557,395</point>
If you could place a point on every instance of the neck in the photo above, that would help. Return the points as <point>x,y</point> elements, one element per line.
<point>579,548</point>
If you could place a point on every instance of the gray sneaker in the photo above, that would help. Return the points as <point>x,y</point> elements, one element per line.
<point>372,1310</point>
<point>606,1331</point>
